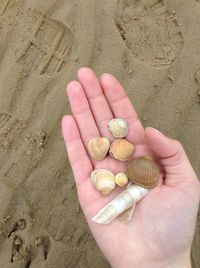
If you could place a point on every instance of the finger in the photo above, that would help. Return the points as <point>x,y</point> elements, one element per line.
<point>98,103</point>
<point>172,156</point>
<point>81,111</point>
<point>77,154</point>
<point>122,107</point>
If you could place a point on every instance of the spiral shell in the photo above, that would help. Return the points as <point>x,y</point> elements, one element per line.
<point>144,172</point>
<point>103,180</point>
<point>98,147</point>
<point>121,179</point>
<point>122,149</point>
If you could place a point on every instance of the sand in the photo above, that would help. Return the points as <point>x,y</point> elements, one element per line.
<point>151,46</point>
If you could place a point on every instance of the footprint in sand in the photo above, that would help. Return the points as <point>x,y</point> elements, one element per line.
<point>10,127</point>
<point>48,45</point>
<point>149,31</point>
<point>20,250</point>
<point>4,5</point>
<point>13,173</point>
<point>22,162</point>
<point>44,47</point>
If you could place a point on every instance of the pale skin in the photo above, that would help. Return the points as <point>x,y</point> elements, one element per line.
<point>161,231</point>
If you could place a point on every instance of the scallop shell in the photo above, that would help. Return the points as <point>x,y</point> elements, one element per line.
<point>118,127</point>
<point>144,172</point>
<point>98,147</point>
<point>121,179</point>
<point>103,180</point>
<point>122,149</point>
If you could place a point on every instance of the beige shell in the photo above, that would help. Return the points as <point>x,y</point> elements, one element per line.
<point>143,172</point>
<point>118,127</point>
<point>103,180</point>
<point>122,149</point>
<point>121,179</point>
<point>98,147</point>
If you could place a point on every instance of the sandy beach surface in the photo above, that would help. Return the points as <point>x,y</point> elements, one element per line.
<point>151,46</point>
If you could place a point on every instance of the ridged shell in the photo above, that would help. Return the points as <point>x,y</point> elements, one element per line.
<point>118,127</point>
<point>103,180</point>
<point>120,203</point>
<point>143,172</point>
<point>126,216</point>
<point>121,179</point>
<point>98,147</point>
<point>122,149</point>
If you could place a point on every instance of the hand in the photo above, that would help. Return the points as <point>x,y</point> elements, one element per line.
<point>162,228</point>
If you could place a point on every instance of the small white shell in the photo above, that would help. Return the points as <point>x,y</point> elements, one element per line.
<point>118,127</point>
<point>121,179</point>
<point>103,180</point>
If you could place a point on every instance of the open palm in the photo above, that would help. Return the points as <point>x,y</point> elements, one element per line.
<point>163,224</point>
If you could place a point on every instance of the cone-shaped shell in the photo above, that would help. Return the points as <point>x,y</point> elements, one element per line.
<point>118,127</point>
<point>122,149</point>
<point>98,147</point>
<point>143,172</point>
<point>103,180</point>
<point>121,179</point>
<point>120,203</point>
<point>126,216</point>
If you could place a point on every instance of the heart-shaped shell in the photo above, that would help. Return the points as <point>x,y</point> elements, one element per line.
<point>121,179</point>
<point>122,149</point>
<point>143,172</point>
<point>118,127</point>
<point>98,147</point>
<point>103,180</point>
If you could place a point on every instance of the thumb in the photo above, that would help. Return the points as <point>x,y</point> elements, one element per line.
<point>171,155</point>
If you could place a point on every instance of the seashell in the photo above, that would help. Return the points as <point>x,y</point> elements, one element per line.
<point>121,179</point>
<point>121,149</point>
<point>98,147</point>
<point>144,172</point>
<point>103,180</point>
<point>120,203</point>
<point>126,216</point>
<point>118,127</point>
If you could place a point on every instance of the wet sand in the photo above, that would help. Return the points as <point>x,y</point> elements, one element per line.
<point>151,46</point>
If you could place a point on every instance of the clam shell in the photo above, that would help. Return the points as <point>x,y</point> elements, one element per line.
<point>98,147</point>
<point>118,127</point>
<point>122,149</point>
<point>143,172</point>
<point>121,179</point>
<point>103,180</point>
